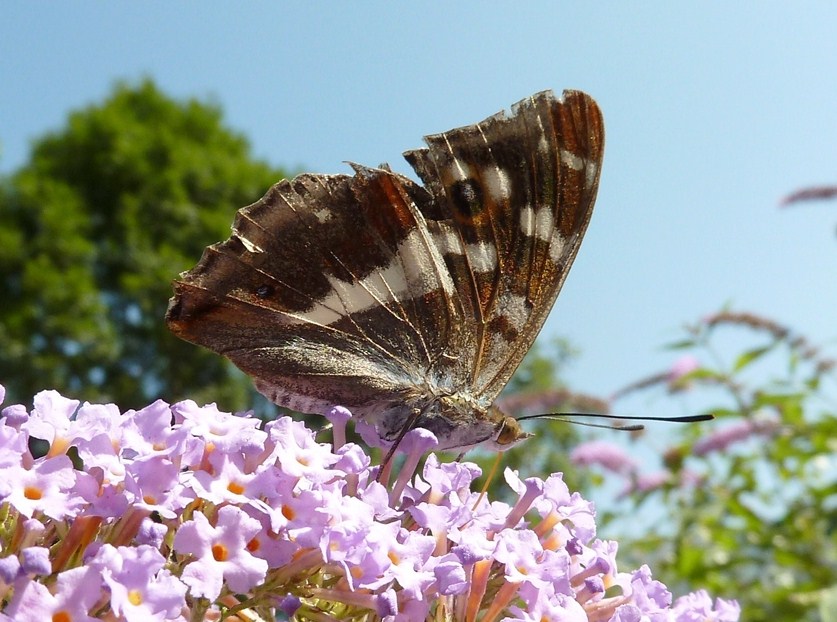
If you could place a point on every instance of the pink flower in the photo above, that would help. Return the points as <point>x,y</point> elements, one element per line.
<point>74,594</point>
<point>605,454</point>
<point>140,588</point>
<point>682,366</point>
<point>220,553</point>
<point>47,487</point>
<point>722,438</point>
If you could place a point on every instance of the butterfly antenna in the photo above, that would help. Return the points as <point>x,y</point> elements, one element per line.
<point>629,428</point>
<point>636,427</point>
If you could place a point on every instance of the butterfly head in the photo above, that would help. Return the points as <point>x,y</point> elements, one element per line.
<point>508,432</point>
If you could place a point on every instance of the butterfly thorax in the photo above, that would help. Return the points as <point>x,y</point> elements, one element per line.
<point>458,421</point>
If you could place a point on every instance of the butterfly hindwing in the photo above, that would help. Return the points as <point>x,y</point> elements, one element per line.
<point>324,292</point>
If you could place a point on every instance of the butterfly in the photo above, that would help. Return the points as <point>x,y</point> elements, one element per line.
<point>412,305</point>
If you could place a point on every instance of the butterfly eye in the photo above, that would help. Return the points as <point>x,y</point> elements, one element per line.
<point>510,433</point>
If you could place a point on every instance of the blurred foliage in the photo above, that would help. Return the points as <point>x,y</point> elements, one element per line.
<point>107,211</point>
<point>748,509</point>
<point>541,370</point>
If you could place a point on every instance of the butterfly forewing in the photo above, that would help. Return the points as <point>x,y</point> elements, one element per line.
<point>518,192</point>
<point>385,296</point>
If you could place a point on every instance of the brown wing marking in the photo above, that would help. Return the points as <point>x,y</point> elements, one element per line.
<point>323,290</point>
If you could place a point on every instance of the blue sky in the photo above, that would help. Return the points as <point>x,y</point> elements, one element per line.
<point>713,112</point>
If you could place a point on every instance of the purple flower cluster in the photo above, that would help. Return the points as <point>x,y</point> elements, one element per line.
<point>187,513</point>
<point>722,438</point>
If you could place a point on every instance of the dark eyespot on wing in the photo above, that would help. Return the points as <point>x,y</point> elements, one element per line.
<point>466,198</point>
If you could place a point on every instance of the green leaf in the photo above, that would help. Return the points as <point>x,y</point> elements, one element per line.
<point>750,356</point>
<point>684,344</point>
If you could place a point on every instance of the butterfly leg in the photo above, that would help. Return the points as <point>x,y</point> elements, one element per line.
<point>408,425</point>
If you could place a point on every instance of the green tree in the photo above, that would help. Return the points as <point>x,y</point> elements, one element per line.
<point>107,211</point>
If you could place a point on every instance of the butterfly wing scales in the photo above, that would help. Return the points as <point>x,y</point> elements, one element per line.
<point>371,289</point>
<point>518,191</point>
<point>301,293</point>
